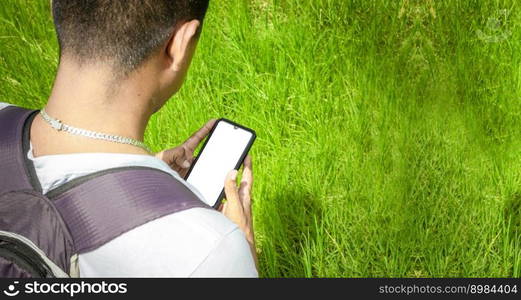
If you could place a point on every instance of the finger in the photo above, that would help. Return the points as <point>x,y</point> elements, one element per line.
<point>246,186</point>
<point>247,175</point>
<point>169,155</point>
<point>248,162</point>
<point>233,207</point>
<point>180,159</point>
<point>166,155</point>
<point>230,188</point>
<point>191,143</point>
<point>221,207</point>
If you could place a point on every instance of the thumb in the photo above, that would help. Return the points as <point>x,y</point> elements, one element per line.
<point>233,207</point>
<point>180,158</point>
<point>230,187</point>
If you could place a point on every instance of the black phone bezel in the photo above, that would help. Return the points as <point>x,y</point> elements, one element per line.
<point>241,159</point>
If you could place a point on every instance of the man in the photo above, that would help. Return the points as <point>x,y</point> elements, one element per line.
<point>120,61</point>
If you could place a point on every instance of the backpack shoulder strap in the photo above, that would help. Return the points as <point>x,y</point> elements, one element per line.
<point>97,207</point>
<point>101,206</point>
<point>16,170</point>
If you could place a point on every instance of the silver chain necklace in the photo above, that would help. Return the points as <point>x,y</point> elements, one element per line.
<point>58,125</point>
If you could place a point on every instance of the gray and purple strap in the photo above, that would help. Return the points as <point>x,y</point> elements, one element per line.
<point>100,206</point>
<point>15,167</point>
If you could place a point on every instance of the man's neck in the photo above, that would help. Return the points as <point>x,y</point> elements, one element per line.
<point>84,98</point>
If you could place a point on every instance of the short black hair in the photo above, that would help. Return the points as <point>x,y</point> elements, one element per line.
<point>123,32</point>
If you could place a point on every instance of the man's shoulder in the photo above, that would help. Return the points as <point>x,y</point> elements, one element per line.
<point>202,226</point>
<point>173,245</point>
<point>206,221</point>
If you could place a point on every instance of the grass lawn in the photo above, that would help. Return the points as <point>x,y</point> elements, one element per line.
<point>389,132</point>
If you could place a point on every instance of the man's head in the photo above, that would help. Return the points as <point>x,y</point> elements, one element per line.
<point>126,34</point>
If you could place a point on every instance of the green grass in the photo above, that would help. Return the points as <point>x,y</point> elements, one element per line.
<point>388,131</point>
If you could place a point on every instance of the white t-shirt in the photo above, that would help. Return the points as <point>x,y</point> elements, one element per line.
<point>196,242</point>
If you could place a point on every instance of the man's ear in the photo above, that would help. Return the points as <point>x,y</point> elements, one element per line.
<point>181,45</point>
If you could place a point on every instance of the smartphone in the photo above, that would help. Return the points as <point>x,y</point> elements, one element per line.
<point>225,148</point>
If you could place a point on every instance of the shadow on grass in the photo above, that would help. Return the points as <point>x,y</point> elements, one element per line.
<point>512,215</point>
<point>290,221</point>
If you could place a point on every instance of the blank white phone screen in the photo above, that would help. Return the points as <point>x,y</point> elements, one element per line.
<point>220,155</point>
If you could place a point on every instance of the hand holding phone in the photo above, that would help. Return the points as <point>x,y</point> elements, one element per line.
<point>225,149</point>
<point>180,158</point>
<point>237,208</point>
